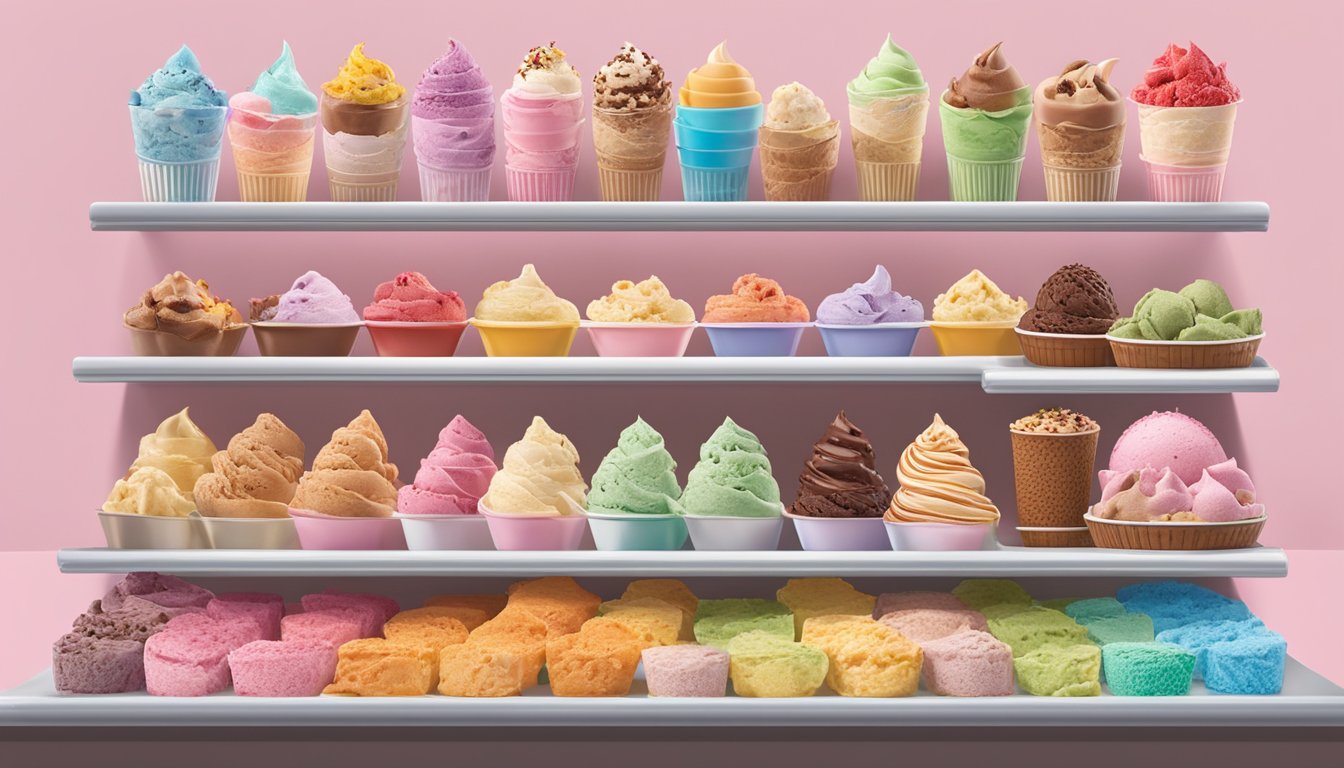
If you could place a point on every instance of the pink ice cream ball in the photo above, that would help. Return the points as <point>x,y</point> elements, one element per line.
<point>968,663</point>
<point>1166,439</point>
<point>686,671</point>
<point>455,475</point>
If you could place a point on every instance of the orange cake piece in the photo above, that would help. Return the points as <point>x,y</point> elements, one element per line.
<point>668,590</point>
<point>379,667</point>
<point>491,605</point>
<point>657,622</point>
<point>557,600</point>
<point>440,616</point>
<point>426,631</point>
<point>519,632</point>
<point>807,598</point>
<point>479,670</point>
<point>867,658</point>
<point>598,660</point>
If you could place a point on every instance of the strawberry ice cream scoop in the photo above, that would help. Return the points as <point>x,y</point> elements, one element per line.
<point>1185,78</point>
<point>455,475</point>
<point>411,298</point>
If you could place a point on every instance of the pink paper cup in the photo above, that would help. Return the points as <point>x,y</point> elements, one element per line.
<point>392,339</point>
<point>446,532</point>
<point>755,339</point>
<point>1177,184</point>
<point>938,537</point>
<point>319,531</point>
<point>840,534</point>
<point>531,534</point>
<point>548,186</point>
<point>640,339</point>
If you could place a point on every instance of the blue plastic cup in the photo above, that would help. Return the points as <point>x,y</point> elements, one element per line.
<point>755,339</point>
<point>714,185</point>
<point>723,119</point>
<point>880,340</point>
<point>715,158</point>
<point>701,139</point>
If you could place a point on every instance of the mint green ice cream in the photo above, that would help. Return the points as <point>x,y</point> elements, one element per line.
<point>986,112</point>
<point>891,73</point>
<point>638,476</point>
<point>732,478</point>
<point>282,85</point>
<point>1201,311</point>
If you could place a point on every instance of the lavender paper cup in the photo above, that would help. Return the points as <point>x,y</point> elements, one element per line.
<point>840,534</point>
<point>878,340</point>
<point>755,339</point>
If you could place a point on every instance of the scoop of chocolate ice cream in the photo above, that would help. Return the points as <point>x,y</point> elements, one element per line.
<point>841,479</point>
<point>1075,300</point>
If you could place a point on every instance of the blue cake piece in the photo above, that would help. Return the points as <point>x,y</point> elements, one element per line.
<point>1202,635</point>
<point>1147,669</point>
<point>1174,604</point>
<point>1084,611</point>
<point>1247,665</point>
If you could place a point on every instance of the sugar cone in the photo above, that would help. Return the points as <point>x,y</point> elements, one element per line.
<point>797,165</point>
<point>888,140</point>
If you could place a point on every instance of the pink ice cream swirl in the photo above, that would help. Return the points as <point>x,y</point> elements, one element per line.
<point>1224,493</point>
<point>453,113</point>
<point>454,476</point>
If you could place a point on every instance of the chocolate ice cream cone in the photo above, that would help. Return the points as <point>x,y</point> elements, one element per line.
<point>1053,477</point>
<point>797,165</point>
<point>631,148</point>
<point>888,140</point>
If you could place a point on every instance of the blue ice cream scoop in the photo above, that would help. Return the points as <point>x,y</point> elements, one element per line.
<point>177,114</point>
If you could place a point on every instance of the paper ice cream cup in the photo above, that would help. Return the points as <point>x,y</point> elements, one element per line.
<point>626,532</point>
<point>178,152</point>
<point>192,182</point>
<point>983,181</point>
<point>1055,537</point>
<point>887,182</point>
<point>305,339</point>
<point>1053,477</point>
<point>714,185</point>
<point>130,531</point>
<point>1169,536</point>
<point>540,186</point>
<point>1178,184</point>
<point>319,531</point>
<point>518,533</point>
<point>1081,185</point>
<point>620,185</point>
<point>840,534</point>
<point>454,185</point>
<point>640,339</point>
<point>970,338</point>
<point>392,339</point>
<point>164,344</point>
<point>1066,350</point>
<point>251,532</point>
<point>798,165</point>
<point>939,537</point>
<point>1189,137</point>
<point>1143,353</point>
<point>755,339</point>
<point>631,150</point>
<point>518,339</point>
<point>446,532</point>
<point>877,340</point>
<point>735,534</point>
<point>273,154</point>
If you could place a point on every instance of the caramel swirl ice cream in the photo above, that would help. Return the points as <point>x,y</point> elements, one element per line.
<point>351,475</point>
<point>938,483</point>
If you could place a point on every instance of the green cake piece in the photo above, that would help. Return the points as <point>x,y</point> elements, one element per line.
<point>982,593</point>
<point>1002,610</point>
<point>1084,611</point>
<point>1069,670</point>
<point>768,665</point>
<point>719,621</point>
<point>1147,669</point>
<point>1059,603</point>
<point>1036,627</point>
<point>1129,628</point>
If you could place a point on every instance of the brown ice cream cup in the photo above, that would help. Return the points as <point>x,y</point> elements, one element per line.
<point>1201,355</point>
<point>1053,476</point>
<point>1066,350</point>
<point>164,344</point>
<point>305,339</point>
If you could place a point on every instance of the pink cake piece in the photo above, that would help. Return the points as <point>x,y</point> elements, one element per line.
<point>167,591</point>
<point>83,664</point>
<point>266,614</point>
<point>923,624</point>
<point>888,602</point>
<point>186,663</point>
<point>385,607</point>
<point>370,618</point>
<point>968,663</point>
<point>686,671</point>
<point>275,668</point>
<point>334,627</point>
<point>231,632</point>
<point>293,608</point>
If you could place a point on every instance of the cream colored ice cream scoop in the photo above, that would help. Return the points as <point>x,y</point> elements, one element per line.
<point>539,476</point>
<point>525,299</point>
<point>179,448</point>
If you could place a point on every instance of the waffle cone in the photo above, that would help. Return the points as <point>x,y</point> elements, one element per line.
<point>797,165</point>
<point>889,130</point>
<point>632,141</point>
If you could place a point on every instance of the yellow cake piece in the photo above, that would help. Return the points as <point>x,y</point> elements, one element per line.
<point>667,590</point>
<point>378,667</point>
<point>807,598</point>
<point>598,660</point>
<point>656,621</point>
<point>867,658</point>
<point>764,665</point>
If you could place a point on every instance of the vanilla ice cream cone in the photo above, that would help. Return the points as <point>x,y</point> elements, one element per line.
<point>631,149</point>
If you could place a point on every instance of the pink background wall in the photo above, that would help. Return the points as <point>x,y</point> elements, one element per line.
<point>72,146</point>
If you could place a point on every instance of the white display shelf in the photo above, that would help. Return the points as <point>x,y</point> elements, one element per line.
<point>682,216</point>
<point>1264,562</point>
<point>994,374</point>
<point>1307,700</point>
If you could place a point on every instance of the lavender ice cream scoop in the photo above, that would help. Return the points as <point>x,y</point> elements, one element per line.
<point>453,113</point>
<point>315,299</point>
<point>869,303</point>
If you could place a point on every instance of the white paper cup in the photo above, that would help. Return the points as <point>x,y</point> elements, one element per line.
<point>743,534</point>
<point>446,532</point>
<point>129,531</point>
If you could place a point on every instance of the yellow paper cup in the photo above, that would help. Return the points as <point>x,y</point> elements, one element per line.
<point>517,339</point>
<point>988,338</point>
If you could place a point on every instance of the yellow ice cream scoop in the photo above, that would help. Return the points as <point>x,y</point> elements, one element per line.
<point>976,299</point>
<point>178,448</point>
<point>525,299</point>
<point>720,82</point>
<point>364,80</point>
<point>148,491</point>
<point>647,301</point>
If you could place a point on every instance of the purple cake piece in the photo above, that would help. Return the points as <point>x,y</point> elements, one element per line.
<point>82,664</point>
